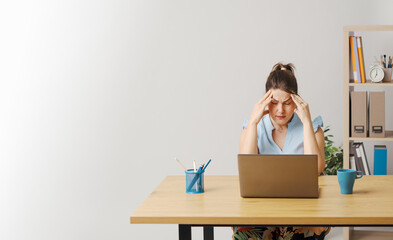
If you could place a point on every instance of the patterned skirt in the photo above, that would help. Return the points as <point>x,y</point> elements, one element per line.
<point>280,233</point>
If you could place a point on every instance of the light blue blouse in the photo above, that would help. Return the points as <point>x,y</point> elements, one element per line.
<point>293,140</point>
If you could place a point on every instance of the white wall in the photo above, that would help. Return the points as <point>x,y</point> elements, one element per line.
<point>97,97</point>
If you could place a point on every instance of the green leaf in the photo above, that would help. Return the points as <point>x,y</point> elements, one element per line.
<point>333,155</point>
<point>237,236</point>
<point>243,235</point>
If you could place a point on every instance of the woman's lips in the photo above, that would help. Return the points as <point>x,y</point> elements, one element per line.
<point>281,117</point>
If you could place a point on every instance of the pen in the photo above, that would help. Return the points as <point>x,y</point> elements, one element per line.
<point>206,165</point>
<point>195,166</point>
<point>384,60</point>
<point>200,168</point>
<point>198,175</point>
<point>181,165</point>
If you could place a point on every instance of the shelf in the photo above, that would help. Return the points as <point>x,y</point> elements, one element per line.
<point>389,137</point>
<point>375,235</point>
<point>348,232</point>
<point>371,84</point>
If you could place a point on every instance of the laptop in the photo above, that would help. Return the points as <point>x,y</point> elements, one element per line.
<point>278,176</point>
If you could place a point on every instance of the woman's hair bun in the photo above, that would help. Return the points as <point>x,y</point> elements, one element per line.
<point>282,67</point>
<point>282,77</point>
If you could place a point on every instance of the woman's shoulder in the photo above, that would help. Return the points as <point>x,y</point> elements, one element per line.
<point>317,123</point>
<point>297,123</point>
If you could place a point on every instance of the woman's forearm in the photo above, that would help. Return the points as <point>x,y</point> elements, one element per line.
<point>311,145</point>
<point>248,142</point>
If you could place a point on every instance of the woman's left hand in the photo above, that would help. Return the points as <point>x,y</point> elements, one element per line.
<point>302,109</point>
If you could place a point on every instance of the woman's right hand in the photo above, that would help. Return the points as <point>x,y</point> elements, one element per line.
<point>260,108</point>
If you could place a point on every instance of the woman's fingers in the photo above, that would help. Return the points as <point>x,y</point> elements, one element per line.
<point>269,98</point>
<point>300,99</point>
<point>295,100</point>
<point>265,96</point>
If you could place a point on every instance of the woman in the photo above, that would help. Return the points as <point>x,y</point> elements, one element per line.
<point>280,123</point>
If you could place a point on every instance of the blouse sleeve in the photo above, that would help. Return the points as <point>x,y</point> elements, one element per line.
<point>245,123</point>
<point>317,122</point>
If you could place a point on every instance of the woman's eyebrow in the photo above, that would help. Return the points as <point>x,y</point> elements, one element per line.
<point>283,101</point>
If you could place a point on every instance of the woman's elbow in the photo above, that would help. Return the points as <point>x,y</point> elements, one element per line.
<point>321,165</point>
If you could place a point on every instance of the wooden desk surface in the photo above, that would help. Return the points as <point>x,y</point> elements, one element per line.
<point>370,204</point>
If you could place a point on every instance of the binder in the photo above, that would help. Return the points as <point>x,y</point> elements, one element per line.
<point>358,114</point>
<point>377,114</point>
<point>380,160</point>
<point>361,59</point>
<point>353,58</point>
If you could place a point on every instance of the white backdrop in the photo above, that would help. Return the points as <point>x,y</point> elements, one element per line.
<point>98,97</point>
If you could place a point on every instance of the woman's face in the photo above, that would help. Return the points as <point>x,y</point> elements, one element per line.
<point>281,107</point>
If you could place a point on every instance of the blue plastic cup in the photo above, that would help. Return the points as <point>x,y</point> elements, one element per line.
<point>346,179</point>
<point>194,181</point>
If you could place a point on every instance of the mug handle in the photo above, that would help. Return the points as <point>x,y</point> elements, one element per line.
<point>360,175</point>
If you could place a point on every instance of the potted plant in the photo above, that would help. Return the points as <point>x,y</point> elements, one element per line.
<point>333,155</point>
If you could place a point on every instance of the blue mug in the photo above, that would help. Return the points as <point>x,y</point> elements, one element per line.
<point>346,179</point>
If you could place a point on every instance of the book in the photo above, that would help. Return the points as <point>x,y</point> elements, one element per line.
<point>352,164</point>
<point>352,49</point>
<point>353,152</point>
<point>364,159</point>
<point>358,160</point>
<point>355,46</point>
<point>380,160</point>
<point>361,59</point>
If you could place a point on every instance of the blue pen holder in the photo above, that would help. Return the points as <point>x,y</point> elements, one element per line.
<point>194,181</point>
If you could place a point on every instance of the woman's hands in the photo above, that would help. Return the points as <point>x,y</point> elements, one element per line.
<point>248,138</point>
<point>260,108</point>
<point>314,143</point>
<point>302,109</point>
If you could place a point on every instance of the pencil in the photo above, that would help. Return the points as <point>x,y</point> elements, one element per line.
<point>206,165</point>
<point>181,165</point>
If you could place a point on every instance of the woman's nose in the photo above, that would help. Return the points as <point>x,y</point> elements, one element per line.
<point>280,107</point>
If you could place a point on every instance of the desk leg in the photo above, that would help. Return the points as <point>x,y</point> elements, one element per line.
<point>208,232</point>
<point>184,232</point>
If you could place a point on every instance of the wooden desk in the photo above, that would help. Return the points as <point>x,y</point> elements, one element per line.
<point>221,205</point>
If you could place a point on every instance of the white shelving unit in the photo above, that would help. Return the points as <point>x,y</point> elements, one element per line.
<point>349,232</point>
